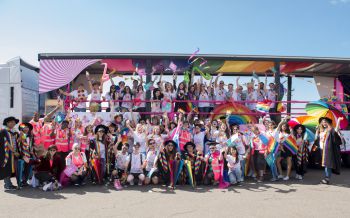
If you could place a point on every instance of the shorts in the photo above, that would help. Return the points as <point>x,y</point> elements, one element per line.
<point>286,153</point>
<point>154,174</point>
<point>120,173</point>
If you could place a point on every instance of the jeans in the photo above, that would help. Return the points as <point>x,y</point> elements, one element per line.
<point>7,182</point>
<point>79,109</point>
<point>274,172</point>
<point>242,169</point>
<point>328,172</point>
<point>235,175</point>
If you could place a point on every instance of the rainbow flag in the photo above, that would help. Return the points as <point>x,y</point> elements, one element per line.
<point>291,144</point>
<point>272,145</point>
<point>124,132</point>
<point>263,106</point>
<point>264,139</point>
<point>189,173</point>
<point>281,107</point>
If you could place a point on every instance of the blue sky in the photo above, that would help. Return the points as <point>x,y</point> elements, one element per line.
<point>272,27</point>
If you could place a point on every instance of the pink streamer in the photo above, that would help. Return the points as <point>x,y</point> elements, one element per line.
<point>105,77</point>
<point>194,54</point>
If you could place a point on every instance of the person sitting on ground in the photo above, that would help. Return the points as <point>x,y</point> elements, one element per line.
<point>77,159</point>
<point>135,166</point>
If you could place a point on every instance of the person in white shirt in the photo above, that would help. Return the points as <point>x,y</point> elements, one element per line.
<point>79,96</point>
<point>122,159</point>
<point>96,94</point>
<point>139,135</point>
<point>271,95</point>
<point>251,96</point>
<point>239,140</point>
<point>203,105</point>
<point>198,137</point>
<point>150,163</point>
<point>220,92</point>
<point>233,164</point>
<point>135,166</point>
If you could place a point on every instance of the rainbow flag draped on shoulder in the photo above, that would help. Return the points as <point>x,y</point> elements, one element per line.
<point>291,144</point>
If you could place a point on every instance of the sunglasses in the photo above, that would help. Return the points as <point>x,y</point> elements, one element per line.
<point>152,143</point>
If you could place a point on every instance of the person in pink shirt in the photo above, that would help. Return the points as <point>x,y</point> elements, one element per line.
<point>77,159</point>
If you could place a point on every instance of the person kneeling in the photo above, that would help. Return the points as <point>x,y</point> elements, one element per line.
<point>77,163</point>
<point>150,164</point>
<point>234,165</point>
<point>135,166</point>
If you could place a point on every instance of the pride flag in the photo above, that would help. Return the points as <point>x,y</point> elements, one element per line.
<point>291,144</point>
<point>124,132</point>
<point>272,145</point>
<point>263,106</point>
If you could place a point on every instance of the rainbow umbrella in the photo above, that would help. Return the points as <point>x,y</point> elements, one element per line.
<point>332,100</point>
<point>96,165</point>
<point>321,109</point>
<point>237,113</point>
<point>310,123</point>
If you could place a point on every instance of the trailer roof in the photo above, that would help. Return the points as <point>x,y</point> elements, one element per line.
<point>224,63</point>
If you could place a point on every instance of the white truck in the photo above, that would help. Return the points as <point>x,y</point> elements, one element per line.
<point>19,90</point>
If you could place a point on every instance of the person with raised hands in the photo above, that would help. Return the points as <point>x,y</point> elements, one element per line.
<point>283,132</point>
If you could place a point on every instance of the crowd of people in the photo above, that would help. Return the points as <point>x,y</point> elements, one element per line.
<point>159,148</point>
<point>50,154</point>
<point>171,97</point>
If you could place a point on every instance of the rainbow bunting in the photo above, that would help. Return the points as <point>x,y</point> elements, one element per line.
<point>189,173</point>
<point>291,144</point>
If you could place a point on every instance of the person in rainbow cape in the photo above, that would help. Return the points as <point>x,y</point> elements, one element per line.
<point>98,154</point>
<point>168,158</point>
<point>328,140</point>
<point>197,167</point>
<point>301,159</point>
<point>8,152</point>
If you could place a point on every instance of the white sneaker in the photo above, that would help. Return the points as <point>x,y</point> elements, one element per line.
<point>286,178</point>
<point>300,177</point>
<point>131,183</point>
<point>280,177</point>
<point>140,183</point>
<point>273,180</point>
<point>297,176</point>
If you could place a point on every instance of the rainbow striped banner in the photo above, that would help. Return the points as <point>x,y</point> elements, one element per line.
<point>291,144</point>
